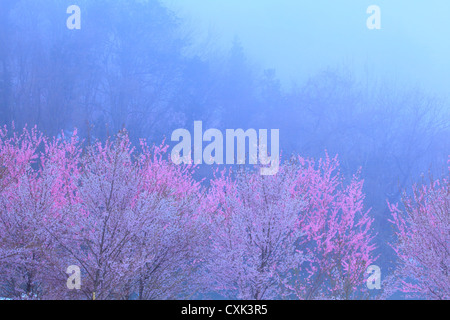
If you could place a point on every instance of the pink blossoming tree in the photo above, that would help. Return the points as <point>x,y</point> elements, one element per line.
<point>129,222</point>
<point>20,243</point>
<point>300,234</point>
<point>422,228</point>
<point>139,226</point>
<point>339,242</point>
<point>255,226</point>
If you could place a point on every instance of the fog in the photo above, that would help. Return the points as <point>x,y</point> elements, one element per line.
<point>298,38</point>
<point>377,98</point>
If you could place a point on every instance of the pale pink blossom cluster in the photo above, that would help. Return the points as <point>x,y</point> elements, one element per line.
<point>140,227</point>
<point>422,226</point>
<point>302,233</point>
<point>128,220</point>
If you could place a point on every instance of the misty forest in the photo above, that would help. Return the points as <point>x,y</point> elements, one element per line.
<point>358,208</point>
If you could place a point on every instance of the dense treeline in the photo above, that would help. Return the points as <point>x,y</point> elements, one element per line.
<point>133,65</point>
<point>140,227</point>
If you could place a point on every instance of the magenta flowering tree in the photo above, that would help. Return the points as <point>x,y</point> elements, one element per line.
<point>338,240</point>
<point>97,220</point>
<point>135,226</point>
<point>20,243</point>
<point>175,238</point>
<point>422,229</point>
<point>128,220</point>
<point>139,226</point>
<point>303,233</point>
<point>255,227</point>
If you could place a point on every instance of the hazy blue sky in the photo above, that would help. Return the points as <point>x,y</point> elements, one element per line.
<point>299,38</point>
